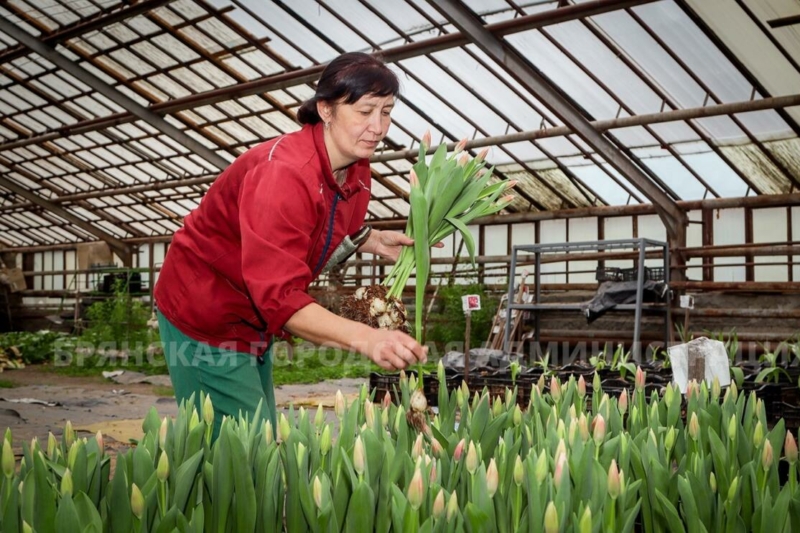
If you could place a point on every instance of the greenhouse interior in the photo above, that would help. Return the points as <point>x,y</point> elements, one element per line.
<point>420,265</point>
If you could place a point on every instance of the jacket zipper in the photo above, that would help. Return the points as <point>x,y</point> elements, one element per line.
<point>328,237</point>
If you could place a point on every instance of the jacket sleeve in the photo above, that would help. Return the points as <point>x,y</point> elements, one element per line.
<point>277,216</point>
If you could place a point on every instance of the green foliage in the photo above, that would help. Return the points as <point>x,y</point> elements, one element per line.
<point>448,323</point>
<point>34,347</point>
<point>121,320</point>
<point>702,463</point>
<point>309,364</point>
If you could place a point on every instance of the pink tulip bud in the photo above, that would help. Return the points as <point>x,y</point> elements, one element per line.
<point>599,434</point>
<point>583,427</point>
<point>555,388</point>
<point>460,146</point>
<point>623,402</point>
<point>359,457</point>
<point>690,390</point>
<point>551,519</point>
<point>561,465</point>
<point>436,448</point>
<point>540,384</point>
<point>438,505</point>
<point>416,490</point>
<point>100,444</point>
<point>507,199</point>
<point>492,478</point>
<point>694,427</point>
<point>417,450</point>
<point>387,400</point>
<point>483,153</point>
<point>581,387</point>
<point>433,474</point>
<point>413,179</point>
<point>459,451</point>
<point>640,377</point>
<point>766,455</point>
<point>463,160</point>
<point>790,445</point>
<point>472,458</point>
<point>426,139</point>
<point>613,480</point>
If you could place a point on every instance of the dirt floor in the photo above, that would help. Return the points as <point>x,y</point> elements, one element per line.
<point>96,403</point>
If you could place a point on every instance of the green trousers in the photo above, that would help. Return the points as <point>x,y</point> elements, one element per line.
<point>236,381</point>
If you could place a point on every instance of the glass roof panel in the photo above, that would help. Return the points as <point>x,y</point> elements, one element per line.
<point>564,73</point>
<point>651,58</point>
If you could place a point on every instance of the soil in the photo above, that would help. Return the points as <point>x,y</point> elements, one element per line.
<point>360,307</point>
<point>96,403</point>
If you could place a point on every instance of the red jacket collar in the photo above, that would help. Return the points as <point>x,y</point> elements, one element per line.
<point>351,184</point>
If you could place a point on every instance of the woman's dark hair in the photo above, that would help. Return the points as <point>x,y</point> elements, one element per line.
<point>346,79</point>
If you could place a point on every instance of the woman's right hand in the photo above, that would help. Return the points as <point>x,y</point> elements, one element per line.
<point>394,350</point>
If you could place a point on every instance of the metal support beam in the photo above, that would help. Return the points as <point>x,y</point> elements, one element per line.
<point>471,26</point>
<point>308,75</point>
<point>559,131</point>
<point>138,110</point>
<point>121,249</point>
<point>99,21</point>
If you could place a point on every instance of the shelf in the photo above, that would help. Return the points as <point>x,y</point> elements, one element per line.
<point>638,248</point>
<point>579,307</point>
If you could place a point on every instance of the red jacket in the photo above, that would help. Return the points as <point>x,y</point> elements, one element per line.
<point>242,263</point>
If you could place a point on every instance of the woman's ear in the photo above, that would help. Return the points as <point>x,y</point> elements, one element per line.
<point>325,111</point>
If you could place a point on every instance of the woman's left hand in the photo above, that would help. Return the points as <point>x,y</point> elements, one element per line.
<point>388,244</point>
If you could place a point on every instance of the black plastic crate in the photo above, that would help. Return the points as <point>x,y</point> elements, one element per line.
<point>650,273</point>
<point>608,274</point>
<point>383,383</point>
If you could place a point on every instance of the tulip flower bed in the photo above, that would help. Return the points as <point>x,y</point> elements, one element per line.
<point>627,463</point>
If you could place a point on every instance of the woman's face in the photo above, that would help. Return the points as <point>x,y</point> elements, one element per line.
<point>354,130</point>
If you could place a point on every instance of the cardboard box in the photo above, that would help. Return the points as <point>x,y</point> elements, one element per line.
<point>14,278</point>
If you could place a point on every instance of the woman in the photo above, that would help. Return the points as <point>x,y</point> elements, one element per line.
<point>237,273</point>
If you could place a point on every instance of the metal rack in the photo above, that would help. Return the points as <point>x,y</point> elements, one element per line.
<point>579,249</point>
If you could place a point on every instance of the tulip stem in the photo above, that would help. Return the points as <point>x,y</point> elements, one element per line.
<point>792,477</point>
<point>612,514</point>
<point>162,498</point>
<point>517,507</point>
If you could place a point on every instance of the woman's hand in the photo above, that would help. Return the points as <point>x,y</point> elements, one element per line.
<point>388,244</point>
<point>394,350</point>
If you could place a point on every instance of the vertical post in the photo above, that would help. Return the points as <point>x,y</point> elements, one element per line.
<point>637,326</point>
<point>537,297</point>
<point>467,335</point>
<point>151,280</point>
<point>512,274</point>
